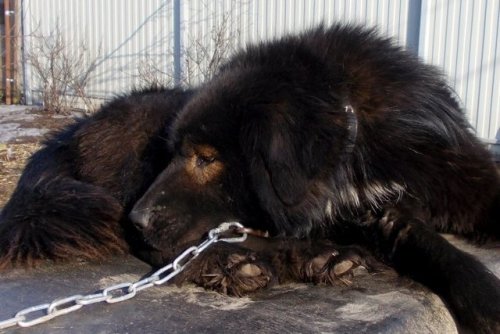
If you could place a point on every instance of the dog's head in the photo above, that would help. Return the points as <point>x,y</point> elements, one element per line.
<point>256,144</point>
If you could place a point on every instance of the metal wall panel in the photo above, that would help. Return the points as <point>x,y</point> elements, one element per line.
<point>137,38</point>
<point>126,36</point>
<point>463,38</point>
<point>258,20</point>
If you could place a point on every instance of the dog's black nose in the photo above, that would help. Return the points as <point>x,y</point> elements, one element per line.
<point>140,218</point>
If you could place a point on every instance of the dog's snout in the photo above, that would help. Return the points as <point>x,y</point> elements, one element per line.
<point>140,218</point>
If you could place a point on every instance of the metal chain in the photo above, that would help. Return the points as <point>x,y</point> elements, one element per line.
<point>122,291</point>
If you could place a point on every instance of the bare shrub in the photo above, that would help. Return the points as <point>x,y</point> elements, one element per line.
<point>63,70</point>
<point>151,73</point>
<point>205,54</point>
<point>202,55</point>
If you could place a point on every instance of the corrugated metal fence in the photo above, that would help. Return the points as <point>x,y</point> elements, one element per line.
<point>138,42</point>
<point>463,38</point>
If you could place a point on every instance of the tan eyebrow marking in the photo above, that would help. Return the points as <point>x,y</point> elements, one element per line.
<point>206,151</point>
<point>205,173</point>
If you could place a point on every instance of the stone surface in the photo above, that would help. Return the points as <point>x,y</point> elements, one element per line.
<point>379,303</point>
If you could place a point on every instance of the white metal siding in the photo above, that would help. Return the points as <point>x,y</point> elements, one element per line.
<point>123,34</point>
<point>463,38</point>
<point>259,20</point>
<point>128,34</point>
<point>264,19</point>
<point>460,36</point>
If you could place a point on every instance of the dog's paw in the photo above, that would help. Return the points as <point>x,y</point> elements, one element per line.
<point>230,270</point>
<point>338,265</point>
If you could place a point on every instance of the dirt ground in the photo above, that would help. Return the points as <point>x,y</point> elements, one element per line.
<point>22,131</point>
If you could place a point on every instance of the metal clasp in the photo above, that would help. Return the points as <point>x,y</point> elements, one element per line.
<point>227,226</point>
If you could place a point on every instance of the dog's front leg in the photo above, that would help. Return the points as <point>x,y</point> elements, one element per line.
<point>259,262</point>
<point>467,286</point>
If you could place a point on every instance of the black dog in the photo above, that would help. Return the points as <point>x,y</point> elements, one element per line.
<point>334,134</point>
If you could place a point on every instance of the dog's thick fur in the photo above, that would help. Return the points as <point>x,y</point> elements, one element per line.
<point>338,134</point>
<point>74,195</point>
<point>331,136</point>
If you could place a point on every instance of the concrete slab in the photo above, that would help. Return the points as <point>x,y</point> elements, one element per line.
<point>373,304</point>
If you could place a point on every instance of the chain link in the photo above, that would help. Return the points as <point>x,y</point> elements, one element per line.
<point>126,290</point>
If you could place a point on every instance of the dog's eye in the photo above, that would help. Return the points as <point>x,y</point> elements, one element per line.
<point>204,160</point>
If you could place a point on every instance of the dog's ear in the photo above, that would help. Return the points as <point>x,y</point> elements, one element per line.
<point>286,150</point>
<point>287,175</point>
